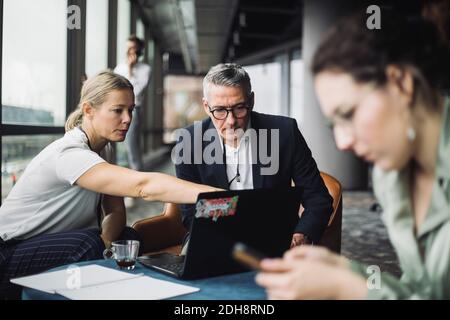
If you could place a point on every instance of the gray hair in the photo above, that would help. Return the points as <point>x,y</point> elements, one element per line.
<point>227,74</point>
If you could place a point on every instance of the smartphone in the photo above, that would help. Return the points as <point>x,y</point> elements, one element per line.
<point>247,256</point>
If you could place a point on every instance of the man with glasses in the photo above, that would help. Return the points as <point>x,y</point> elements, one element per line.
<point>239,134</point>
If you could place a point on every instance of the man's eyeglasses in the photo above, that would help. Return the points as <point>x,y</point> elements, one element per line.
<point>239,111</point>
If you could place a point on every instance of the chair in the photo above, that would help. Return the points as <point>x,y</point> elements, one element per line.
<point>331,238</point>
<point>165,232</point>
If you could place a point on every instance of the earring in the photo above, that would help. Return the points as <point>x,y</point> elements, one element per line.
<point>411,134</point>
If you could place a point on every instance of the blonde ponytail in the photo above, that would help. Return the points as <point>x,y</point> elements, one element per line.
<point>74,119</point>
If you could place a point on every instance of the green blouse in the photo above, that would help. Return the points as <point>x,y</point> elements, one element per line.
<point>425,257</point>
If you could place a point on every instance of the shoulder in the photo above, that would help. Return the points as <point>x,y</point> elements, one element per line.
<point>196,132</point>
<point>73,139</point>
<point>73,147</point>
<point>203,124</point>
<point>262,120</point>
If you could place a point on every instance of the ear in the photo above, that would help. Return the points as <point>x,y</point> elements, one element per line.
<point>251,100</point>
<point>402,81</point>
<point>205,105</point>
<point>88,110</point>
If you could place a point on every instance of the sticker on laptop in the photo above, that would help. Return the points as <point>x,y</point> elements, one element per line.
<point>216,208</point>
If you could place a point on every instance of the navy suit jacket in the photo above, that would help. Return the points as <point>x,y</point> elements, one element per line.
<point>295,163</point>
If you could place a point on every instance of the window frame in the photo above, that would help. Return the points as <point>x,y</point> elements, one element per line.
<point>75,68</point>
<point>75,60</point>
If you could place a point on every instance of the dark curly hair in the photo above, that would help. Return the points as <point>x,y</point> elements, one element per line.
<point>412,44</point>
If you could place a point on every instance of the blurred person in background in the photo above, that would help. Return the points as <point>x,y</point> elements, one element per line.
<point>138,73</point>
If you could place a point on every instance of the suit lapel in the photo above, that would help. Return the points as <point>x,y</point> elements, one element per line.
<point>258,179</point>
<point>218,170</point>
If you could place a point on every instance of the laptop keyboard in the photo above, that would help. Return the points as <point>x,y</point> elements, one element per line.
<point>174,267</point>
<point>169,262</point>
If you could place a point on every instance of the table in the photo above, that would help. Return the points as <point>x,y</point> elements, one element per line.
<point>239,286</point>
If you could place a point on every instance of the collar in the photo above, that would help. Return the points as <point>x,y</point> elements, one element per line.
<point>438,210</point>
<point>79,134</point>
<point>396,185</point>
<point>246,134</point>
<point>443,157</point>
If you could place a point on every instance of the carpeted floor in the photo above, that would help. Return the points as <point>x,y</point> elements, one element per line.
<point>364,237</point>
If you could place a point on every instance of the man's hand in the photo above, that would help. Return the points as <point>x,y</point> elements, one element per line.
<point>132,59</point>
<point>299,239</point>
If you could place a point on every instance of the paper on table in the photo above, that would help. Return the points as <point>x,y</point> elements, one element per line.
<point>90,275</point>
<point>142,288</point>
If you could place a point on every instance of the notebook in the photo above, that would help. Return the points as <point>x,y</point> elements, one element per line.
<point>94,282</point>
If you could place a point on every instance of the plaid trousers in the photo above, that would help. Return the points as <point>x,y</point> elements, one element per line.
<point>47,251</point>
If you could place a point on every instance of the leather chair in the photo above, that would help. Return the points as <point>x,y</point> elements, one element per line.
<point>165,232</point>
<point>331,238</point>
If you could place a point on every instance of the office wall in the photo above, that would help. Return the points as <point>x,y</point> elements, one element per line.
<point>349,170</point>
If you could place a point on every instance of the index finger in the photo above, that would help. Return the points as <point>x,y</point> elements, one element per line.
<point>271,280</point>
<point>274,265</point>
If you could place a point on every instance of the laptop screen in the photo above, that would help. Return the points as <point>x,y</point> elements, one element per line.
<point>263,219</point>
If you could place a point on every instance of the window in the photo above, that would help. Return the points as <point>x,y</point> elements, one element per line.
<point>297,87</point>
<point>96,36</point>
<point>140,29</point>
<point>182,103</point>
<point>34,62</point>
<point>17,152</point>
<point>123,28</point>
<point>266,80</point>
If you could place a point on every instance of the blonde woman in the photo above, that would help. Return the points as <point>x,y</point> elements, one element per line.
<point>50,216</point>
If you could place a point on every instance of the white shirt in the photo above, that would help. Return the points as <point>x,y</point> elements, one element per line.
<point>242,156</point>
<point>139,79</point>
<point>45,199</point>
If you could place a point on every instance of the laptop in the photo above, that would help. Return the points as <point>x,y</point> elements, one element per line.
<point>263,219</point>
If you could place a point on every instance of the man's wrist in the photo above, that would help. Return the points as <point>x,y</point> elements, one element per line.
<point>305,238</point>
<point>299,239</point>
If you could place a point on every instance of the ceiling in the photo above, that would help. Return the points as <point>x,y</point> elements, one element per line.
<point>198,34</point>
<point>202,33</point>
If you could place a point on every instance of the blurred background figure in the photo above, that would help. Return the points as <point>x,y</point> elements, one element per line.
<point>138,73</point>
<point>383,94</point>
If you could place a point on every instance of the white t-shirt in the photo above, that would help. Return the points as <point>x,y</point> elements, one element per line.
<point>139,79</point>
<point>242,157</point>
<point>45,199</point>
